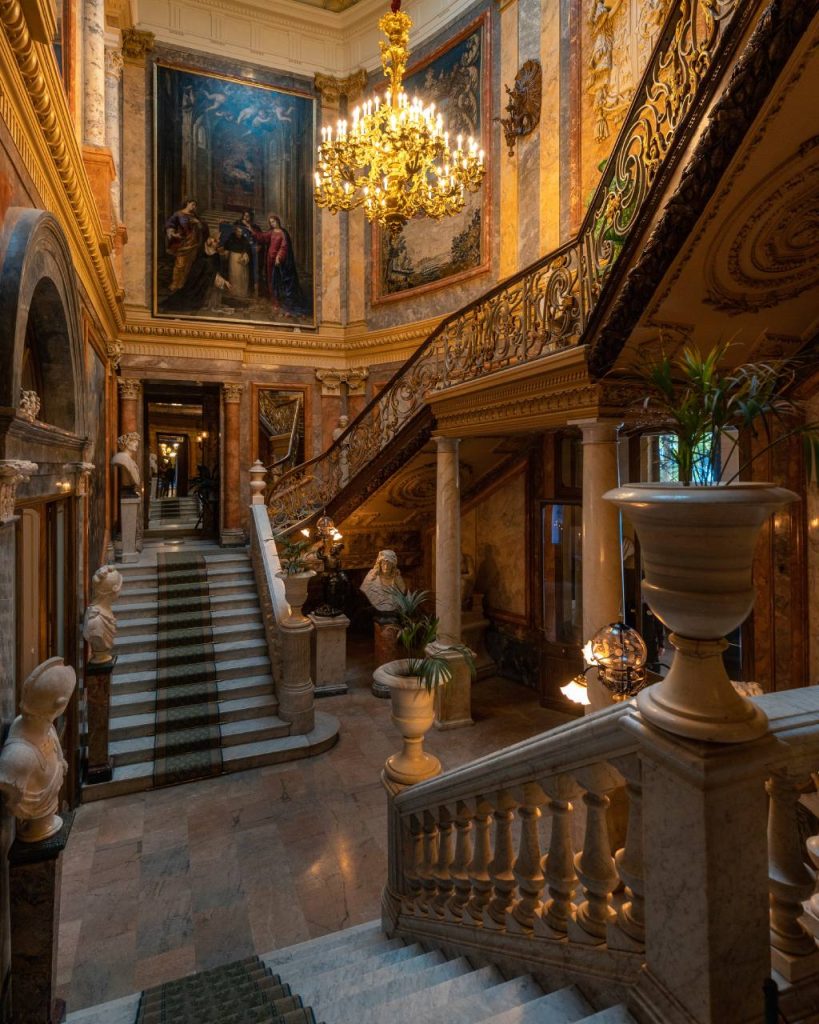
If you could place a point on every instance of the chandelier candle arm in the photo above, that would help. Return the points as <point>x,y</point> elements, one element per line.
<point>394,158</point>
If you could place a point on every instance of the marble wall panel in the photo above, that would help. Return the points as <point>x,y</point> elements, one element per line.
<point>494,533</point>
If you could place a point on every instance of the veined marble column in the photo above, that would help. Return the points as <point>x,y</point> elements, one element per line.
<point>602,581</point>
<point>232,532</point>
<point>448,540</point>
<point>136,45</point>
<point>93,72</point>
<point>453,703</point>
<point>130,391</point>
<point>113,97</point>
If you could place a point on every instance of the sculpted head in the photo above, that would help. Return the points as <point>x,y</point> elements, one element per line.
<point>106,582</point>
<point>387,563</point>
<point>48,689</point>
<point>128,442</point>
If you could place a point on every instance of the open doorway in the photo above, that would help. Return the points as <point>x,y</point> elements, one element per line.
<point>182,428</point>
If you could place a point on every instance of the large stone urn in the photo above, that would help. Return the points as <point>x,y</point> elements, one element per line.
<point>413,712</point>
<point>295,592</point>
<point>697,546</point>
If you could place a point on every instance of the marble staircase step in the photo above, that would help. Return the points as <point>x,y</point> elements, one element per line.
<point>226,583</point>
<point>329,983</point>
<point>337,956</point>
<point>223,650</point>
<point>135,778</point>
<point>141,748</point>
<point>253,670</point>
<point>218,601</point>
<point>251,627</point>
<point>247,611</point>
<point>147,575</point>
<point>125,727</point>
<point>483,1005</point>
<point>240,687</point>
<point>565,1006</point>
<point>367,934</point>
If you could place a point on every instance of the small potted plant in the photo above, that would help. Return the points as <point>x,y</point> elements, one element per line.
<point>697,535</point>
<point>412,682</point>
<point>296,574</point>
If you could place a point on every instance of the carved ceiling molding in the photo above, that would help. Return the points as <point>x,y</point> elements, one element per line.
<point>136,45</point>
<point>331,89</point>
<point>728,189</point>
<point>50,123</point>
<point>768,248</point>
<point>772,44</point>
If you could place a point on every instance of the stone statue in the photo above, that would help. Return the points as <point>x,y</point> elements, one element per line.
<point>382,581</point>
<point>32,765</point>
<point>126,460</point>
<point>100,625</point>
<point>153,463</point>
<point>343,423</point>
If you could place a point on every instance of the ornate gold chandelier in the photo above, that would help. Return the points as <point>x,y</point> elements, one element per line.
<point>395,158</point>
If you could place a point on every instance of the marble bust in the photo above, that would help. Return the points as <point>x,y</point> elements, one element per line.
<point>32,766</point>
<point>100,625</point>
<point>126,460</point>
<point>382,581</point>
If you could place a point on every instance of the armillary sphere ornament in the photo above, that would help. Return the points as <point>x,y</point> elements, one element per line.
<point>395,159</point>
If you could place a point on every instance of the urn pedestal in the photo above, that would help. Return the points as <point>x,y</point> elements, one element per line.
<point>413,712</point>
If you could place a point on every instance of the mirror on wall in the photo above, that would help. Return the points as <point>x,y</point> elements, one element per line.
<point>281,428</point>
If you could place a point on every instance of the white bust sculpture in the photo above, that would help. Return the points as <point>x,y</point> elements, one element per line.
<point>126,459</point>
<point>100,625</point>
<point>343,423</point>
<point>382,581</point>
<point>32,765</point>
<point>153,462</point>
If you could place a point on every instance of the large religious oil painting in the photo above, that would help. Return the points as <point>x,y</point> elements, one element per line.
<point>427,253</point>
<point>233,167</point>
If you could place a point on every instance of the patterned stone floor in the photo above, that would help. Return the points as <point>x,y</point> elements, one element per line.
<point>160,884</point>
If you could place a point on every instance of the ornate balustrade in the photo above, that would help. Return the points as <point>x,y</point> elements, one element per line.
<point>546,307</point>
<point>514,858</point>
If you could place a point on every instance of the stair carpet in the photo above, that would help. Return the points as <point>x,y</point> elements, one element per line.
<point>359,976</point>
<point>252,734</point>
<point>173,514</point>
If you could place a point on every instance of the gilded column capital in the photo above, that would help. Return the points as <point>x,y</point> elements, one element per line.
<point>129,387</point>
<point>332,379</point>
<point>331,89</point>
<point>83,471</point>
<point>233,392</point>
<point>12,473</point>
<point>136,45</point>
<point>114,350</point>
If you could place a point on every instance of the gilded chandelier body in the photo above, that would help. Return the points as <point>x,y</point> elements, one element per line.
<point>395,158</point>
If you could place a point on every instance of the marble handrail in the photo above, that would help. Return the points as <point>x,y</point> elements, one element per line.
<point>495,859</point>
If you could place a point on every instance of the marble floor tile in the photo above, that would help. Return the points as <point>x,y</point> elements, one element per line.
<point>159,884</point>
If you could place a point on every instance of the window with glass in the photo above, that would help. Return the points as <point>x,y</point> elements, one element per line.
<point>563,570</point>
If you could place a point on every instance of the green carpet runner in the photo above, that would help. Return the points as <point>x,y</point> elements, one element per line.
<point>186,728</point>
<point>245,992</point>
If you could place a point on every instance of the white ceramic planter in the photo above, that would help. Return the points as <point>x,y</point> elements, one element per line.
<point>413,712</point>
<point>697,546</point>
<point>295,592</point>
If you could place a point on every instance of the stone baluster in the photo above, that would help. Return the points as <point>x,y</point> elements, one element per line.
<point>811,918</point>
<point>629,932</point>
<point>459,868</point>
<point>528,868</point>
<point>413,861</point>
<point>478,869</point>
<point>561,877</point>
<point>441,874</point>
<point>794,952</point>
<point>232,532</point>
<point>595,864</point>
<point>426,871</point>
<point>500,867</point>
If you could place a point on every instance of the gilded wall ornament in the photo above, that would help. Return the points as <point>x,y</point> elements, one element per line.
<point>331,89</point>
<point>233,392</point>
<point>29,406</point>
<point>12,473</point>
<point>129,387</point>
<point>523,107</point>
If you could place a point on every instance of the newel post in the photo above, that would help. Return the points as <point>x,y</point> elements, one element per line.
<point>706,892</point>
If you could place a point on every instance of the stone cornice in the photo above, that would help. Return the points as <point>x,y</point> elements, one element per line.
<point>34,108</point>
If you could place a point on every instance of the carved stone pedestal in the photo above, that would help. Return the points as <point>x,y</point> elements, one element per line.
<point>98,696</point>
<point>329,660</point>
<point>453,702</point>
<point>385,647</point>
<point>129,509</point>
<point>34,884</point>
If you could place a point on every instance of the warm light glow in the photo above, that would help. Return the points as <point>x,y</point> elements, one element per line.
<point>395,159</point>
<point>576,690</point>
<point>305,532</point>
<point>588,657</point>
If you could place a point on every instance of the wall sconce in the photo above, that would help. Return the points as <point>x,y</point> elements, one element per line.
<point>619,654</point>
<point>64,486</point>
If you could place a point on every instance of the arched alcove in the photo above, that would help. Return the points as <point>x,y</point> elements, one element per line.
<point>40,336</point>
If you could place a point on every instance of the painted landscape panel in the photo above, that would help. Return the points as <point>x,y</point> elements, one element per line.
<point>430,253</point>
<point>233,203</point>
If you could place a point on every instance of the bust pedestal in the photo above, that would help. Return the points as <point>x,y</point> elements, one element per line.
<point>453,702</point>
<point>330,654</point>
<point>98,698</point>
<point>35,871</point>
<point>385,647</point>
<point>129,517</point>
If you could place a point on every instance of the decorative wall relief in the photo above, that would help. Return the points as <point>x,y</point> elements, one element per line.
<point>233,168</point>
<point>523,107</point>
<point>428,254</point>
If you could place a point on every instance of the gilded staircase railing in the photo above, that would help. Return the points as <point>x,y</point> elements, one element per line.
<point>547,306</point>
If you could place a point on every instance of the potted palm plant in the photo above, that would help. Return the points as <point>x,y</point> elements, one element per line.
<point>413,681</point>
<point>296,575</point>
<point>697,535</point>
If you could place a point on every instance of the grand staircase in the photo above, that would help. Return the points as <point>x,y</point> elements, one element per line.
<point>357,976</point>
<point>192,693</point>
